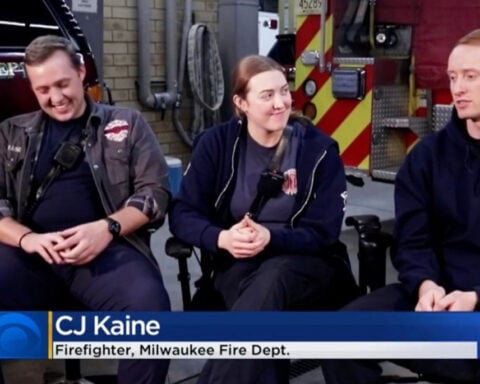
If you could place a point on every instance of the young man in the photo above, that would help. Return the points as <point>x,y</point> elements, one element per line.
<point>437,202</point>
<point>74,218</point>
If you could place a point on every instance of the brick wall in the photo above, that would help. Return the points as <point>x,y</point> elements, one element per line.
<point>120,61</point>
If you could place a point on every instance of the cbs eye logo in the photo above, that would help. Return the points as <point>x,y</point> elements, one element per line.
<point>19,335</point>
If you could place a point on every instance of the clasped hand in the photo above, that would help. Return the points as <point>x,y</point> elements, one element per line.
<point>432,297</point>
<point>245,239</point>
<point>77,245</point>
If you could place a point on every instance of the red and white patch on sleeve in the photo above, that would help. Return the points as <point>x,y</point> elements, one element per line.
<point>116,130</point>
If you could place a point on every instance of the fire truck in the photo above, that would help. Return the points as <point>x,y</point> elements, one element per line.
<point>372,74</point>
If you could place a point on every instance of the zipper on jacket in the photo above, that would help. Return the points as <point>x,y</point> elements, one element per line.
<point>310,189</point>
<point>232,173</point>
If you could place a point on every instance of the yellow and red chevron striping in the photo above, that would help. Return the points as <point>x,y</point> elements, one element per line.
<point>308,28</point>
<point>347,121</point>
<point>358,151</point>
<point>334,117</point>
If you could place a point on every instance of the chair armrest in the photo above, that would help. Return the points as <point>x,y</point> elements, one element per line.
<point>178,249</point>
<point>363,223</point>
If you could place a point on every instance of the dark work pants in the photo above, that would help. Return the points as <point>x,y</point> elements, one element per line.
<point>119,279</point>
<point>278,283</point>
<point>395,298</point>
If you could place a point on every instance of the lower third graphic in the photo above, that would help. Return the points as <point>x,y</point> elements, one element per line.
<point>23,335</point>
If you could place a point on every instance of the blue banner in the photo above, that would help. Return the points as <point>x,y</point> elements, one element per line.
<point>266,326</point>
<point>23,335</point>
<point>37,335</point>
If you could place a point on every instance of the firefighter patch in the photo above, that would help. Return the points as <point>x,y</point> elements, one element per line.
<point>290,183</point>
<point>116,130</point>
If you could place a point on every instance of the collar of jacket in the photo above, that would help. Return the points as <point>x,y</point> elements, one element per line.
<point>97,113</point>
<point>312,146</point>
<point>312,143</point>
<point>457,131</point>
<point>32,122</point>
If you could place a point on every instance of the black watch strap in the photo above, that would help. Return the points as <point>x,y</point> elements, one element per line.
<point>114,227</point>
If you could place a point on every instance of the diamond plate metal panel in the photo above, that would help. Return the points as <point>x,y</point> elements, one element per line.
<point>441,115</point>
<point>419,125</point>
<point>388,145</point>
<point>386,174</point>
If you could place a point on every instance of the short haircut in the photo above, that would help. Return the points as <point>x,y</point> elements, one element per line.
<point>471,38</point>
<point>41,48</point>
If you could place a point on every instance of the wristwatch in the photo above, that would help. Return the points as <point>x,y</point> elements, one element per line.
<point>114,227</point>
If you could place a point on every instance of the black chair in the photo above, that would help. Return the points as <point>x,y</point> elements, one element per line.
<point>373,244</point>
<point>207,298</point>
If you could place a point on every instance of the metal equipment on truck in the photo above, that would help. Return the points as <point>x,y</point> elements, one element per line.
<point>372,74</point>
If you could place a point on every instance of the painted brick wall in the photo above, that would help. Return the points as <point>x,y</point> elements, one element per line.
<point>120,61</point>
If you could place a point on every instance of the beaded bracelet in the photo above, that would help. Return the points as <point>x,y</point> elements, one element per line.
<point>21,238</point>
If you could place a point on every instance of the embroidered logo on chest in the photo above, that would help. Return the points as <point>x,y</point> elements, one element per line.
<point>290,183</point>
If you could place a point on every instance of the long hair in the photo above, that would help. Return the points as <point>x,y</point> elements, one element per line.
<point>41,48</point>
<point>245,69</point>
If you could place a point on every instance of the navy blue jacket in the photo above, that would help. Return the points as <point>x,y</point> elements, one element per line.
<point>437,200</point>
<point>202,207</point>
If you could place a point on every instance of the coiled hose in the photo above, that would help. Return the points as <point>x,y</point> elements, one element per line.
<point>206,81</point>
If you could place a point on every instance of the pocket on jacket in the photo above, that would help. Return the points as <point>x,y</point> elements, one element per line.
<point>117,165</point>
<point>13,161</point>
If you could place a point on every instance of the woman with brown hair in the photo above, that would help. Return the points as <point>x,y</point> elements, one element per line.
<point>265,194</point>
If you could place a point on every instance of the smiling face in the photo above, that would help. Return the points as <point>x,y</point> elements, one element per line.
<point>267,104</point>
<point>58,86</point>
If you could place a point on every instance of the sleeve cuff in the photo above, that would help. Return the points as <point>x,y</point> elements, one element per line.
<point>477,291</point>
<point>209,238</point>
<point>146,205</point>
